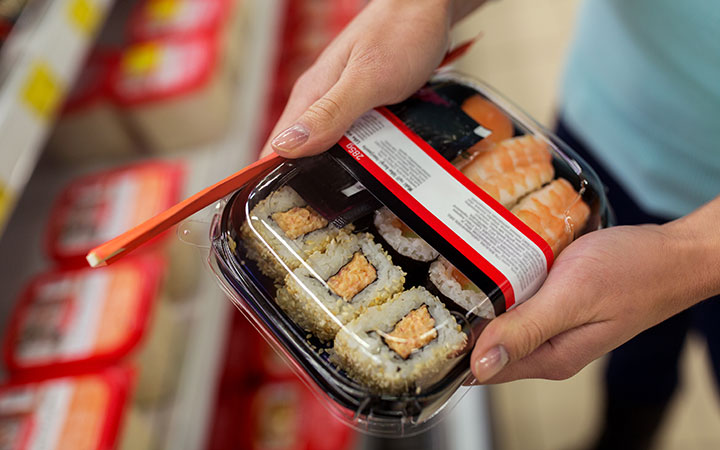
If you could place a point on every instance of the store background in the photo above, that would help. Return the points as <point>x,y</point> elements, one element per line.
<point>521,54</point>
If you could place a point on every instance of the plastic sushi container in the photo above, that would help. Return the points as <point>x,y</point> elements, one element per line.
<point>374,267</point>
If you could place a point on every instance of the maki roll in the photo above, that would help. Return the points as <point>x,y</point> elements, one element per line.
<point>410,247</point>
<point>455,286</point>
<point>283,230</point>
<point>403,345</point>
<point>335,286</point>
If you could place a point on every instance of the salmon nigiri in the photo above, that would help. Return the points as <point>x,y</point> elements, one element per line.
<point>556,212</point>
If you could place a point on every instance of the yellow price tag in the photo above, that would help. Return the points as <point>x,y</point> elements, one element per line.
<point>42,90</point>
<point>162,9</point>
<point>84,15</point>
<point>5,204</point>
<point>141,59</point>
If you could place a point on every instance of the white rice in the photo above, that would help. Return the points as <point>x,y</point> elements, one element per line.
<point>412,247</point>
<point>477,303</point>
<point>267,244</point>
<point>361,351</point>
<point>308,300</point>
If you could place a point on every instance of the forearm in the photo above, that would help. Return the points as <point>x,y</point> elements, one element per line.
<point>695,241</point>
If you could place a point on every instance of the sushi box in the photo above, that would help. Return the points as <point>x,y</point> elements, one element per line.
<point>69,321</point>
<point>157,19</point>
<point>90,125</point>
<point>374,266</point>
<point>83,412</point>
<point>99,206</point>
<point>175,91</point>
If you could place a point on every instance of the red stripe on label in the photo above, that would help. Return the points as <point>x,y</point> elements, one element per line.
<point>429,218</point>
<point>472,187</point>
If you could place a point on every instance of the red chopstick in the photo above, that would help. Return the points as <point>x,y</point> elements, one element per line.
<point>116,248</point>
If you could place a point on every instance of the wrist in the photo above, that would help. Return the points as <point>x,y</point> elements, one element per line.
<point>695,250</point>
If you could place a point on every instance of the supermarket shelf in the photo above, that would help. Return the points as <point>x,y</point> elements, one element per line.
<point>183,424</point>
<point>38,63</point>
<point>192,411</point>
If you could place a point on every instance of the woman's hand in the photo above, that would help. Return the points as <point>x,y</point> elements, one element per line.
<point>384,55</point>
<point>603,289</point>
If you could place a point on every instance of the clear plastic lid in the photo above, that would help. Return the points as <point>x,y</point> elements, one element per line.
<point>375,266</point>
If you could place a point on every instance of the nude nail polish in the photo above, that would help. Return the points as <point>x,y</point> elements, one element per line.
<point>491,363</point>
<point>291,138</point>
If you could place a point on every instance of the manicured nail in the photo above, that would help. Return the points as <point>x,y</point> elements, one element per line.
<point>491,363</point>
<point>291,138</point>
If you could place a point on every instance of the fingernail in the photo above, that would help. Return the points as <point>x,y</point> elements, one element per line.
<point>491,363</point>
<point>291,138</point>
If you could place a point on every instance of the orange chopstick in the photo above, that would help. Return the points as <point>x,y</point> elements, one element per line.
<point>114,249</point>
<point>457,52</point>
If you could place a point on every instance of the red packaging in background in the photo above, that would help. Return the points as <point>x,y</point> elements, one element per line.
<point>73,320</point>
<point>175,92</point>
<point>84,412</point>
<point>278,415</point>
<point>97,207</point>
<point>90,125</point>
<point>152,19</point>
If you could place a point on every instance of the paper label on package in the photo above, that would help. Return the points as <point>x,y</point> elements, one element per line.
<point>466,217</point>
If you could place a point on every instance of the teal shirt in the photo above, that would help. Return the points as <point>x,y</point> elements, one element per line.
<point>642,89</point>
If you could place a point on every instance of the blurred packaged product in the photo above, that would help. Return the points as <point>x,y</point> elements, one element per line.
<point>157,19</point>
<point>266,361</point>
<point>285,415</point>
<point>97,207</point>
<point>82,412</point>
<point>176,92</point>
<point>72,320</point>
<point>278,415</point>
<point>90,125</point>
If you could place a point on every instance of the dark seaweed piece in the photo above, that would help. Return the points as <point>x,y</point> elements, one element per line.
<point>415,271</point>
<point>331,191</point>
<point>440,123</point>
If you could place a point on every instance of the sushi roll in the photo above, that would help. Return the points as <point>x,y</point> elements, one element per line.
<point>403,345</point>
<point>283,230</point>
<point>451,283</point>
<point>409,249</point>
<point>335,286</point>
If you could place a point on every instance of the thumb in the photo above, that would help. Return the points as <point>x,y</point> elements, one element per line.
<point>323,123</point>
<point>516,334</point>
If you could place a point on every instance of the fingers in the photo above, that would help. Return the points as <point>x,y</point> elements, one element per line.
<point>315,82</point>
<point>518,333</point>
<point>560,357</point>
<point>324,121</point>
